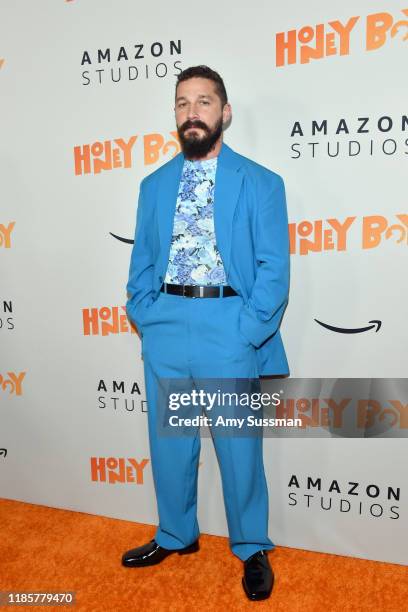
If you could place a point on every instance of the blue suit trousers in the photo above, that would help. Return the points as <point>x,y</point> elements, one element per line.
<point>199,338</point>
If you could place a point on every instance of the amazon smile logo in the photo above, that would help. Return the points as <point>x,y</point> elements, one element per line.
<point>375,323</point>
<point>126,240</point>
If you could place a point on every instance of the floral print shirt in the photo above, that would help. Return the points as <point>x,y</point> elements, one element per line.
<point>194,257</point>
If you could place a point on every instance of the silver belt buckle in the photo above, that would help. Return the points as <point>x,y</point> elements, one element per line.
<point>201,291</point>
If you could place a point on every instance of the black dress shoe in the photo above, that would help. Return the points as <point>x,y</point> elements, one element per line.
<point>258,576</point>
<point>151,553</point>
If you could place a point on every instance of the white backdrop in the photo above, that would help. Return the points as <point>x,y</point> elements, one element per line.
<point>63,273</point>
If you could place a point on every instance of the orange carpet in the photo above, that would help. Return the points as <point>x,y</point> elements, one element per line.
<point>45,549</point>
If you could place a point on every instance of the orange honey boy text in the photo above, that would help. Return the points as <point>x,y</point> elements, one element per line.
<point>323,40</point>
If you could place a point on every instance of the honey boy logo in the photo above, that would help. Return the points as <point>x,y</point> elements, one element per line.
<point>6,309</point>
<point>352,497</point>
<point>158,59</point>
<point>324,40</point>
<point>331,234</point>
<point>12,383</point>
<point>331,413</point>
<point>349,137</point>
<point>105,321</point>
<point>114,470</point>
<point>120,397</point>
<point>117,153</point>
<point>5,234</point>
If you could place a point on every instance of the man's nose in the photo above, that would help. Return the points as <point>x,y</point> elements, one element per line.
<point>192,112</point>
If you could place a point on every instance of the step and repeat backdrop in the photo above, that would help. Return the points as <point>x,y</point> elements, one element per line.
<point>319,95</point>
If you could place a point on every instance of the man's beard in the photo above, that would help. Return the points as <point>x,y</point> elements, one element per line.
<point>194,146</point>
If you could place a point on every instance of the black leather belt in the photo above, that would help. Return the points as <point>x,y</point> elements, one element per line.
<point>195,291</point>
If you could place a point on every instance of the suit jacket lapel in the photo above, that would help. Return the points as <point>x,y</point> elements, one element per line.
<point>227,187</point>
<point>167,193</point>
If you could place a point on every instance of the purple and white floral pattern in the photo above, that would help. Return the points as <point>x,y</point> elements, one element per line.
<point>194,257</point>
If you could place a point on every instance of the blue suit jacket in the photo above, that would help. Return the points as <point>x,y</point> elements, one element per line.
<point>251,228</point>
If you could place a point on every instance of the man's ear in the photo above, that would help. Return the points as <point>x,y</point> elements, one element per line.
<point>227,114</point>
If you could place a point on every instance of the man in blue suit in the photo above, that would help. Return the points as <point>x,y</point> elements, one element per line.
<point>208,285</point>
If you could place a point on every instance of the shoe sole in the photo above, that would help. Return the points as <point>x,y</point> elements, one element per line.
<point>195,547</point>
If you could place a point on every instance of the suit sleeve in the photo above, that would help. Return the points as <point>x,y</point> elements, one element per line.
<point>140,283</point>
<point>260,317</point>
